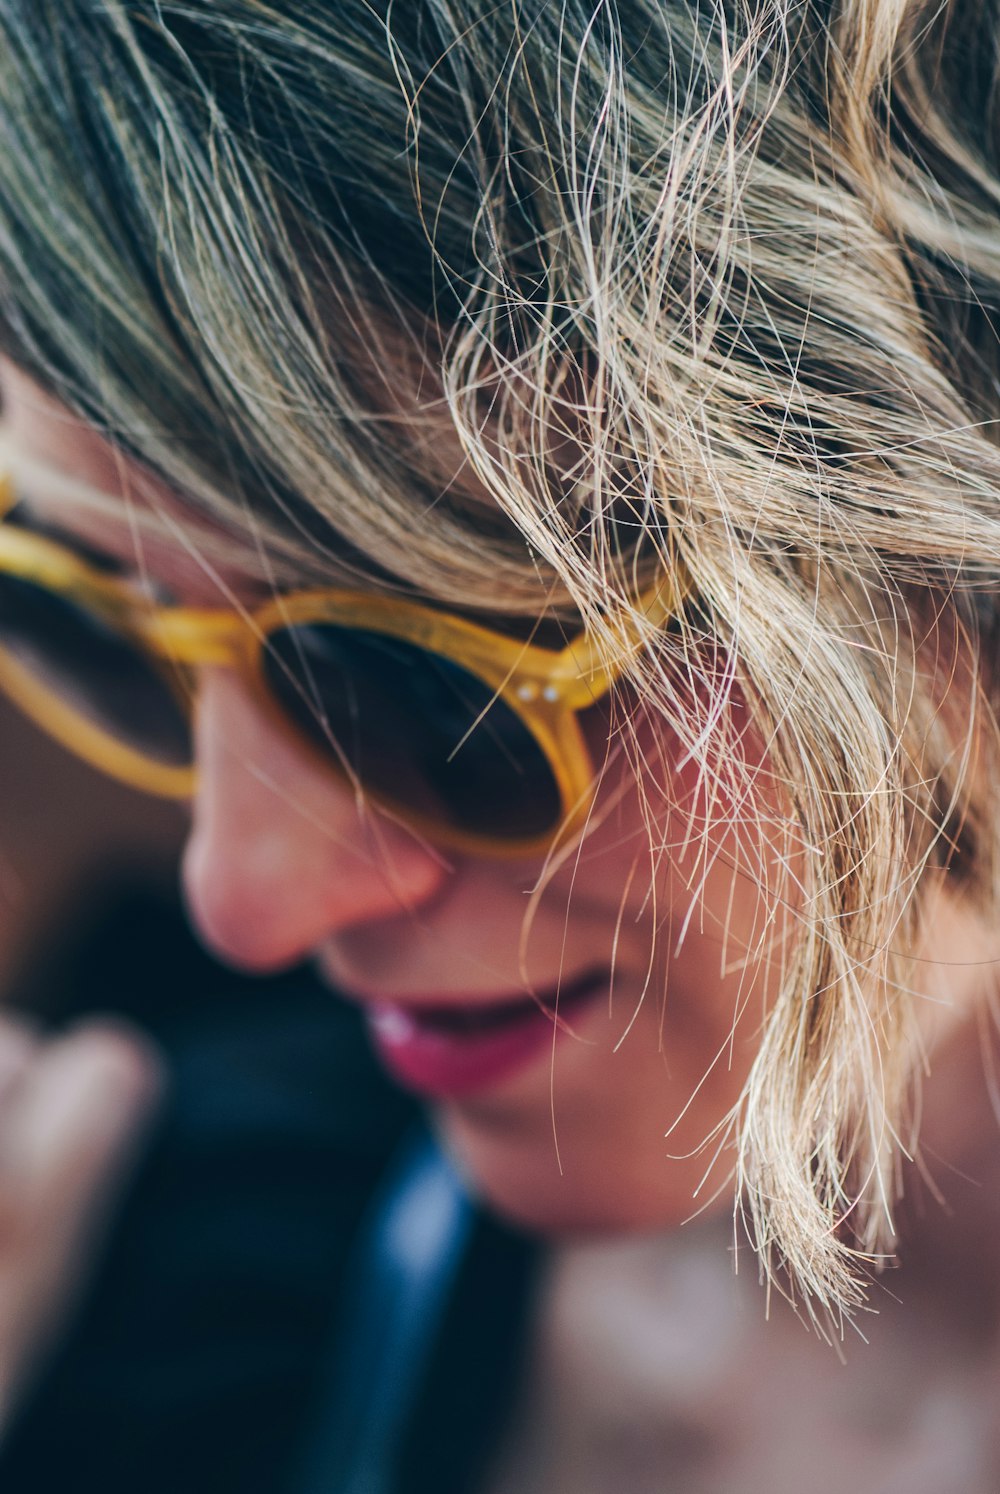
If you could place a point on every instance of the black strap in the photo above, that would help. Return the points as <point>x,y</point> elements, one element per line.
<point>395,1294</point>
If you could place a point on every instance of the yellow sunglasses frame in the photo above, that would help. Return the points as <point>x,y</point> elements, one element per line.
<point>545,688</point>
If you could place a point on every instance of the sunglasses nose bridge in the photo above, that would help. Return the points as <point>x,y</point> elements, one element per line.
<point>198,637</point>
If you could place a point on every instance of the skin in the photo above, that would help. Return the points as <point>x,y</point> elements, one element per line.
<point>606,1128</point>
<point>72,1113</point>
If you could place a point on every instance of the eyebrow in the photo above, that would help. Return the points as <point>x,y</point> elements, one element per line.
<point>29,472</point>
<point>37,485</point>
<point>22,513</point>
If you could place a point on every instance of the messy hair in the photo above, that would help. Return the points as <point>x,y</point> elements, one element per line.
<point>707,290</point>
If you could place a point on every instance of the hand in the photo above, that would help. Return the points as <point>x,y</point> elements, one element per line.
<point>72,1110</point>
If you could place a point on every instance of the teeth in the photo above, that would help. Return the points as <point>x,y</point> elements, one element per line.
<point>398,1024</point>
<point>392,1024</point>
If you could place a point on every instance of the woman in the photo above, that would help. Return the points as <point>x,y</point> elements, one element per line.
<point>555,445</point>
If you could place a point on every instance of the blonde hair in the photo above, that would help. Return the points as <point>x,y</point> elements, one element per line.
<point>701,287</point>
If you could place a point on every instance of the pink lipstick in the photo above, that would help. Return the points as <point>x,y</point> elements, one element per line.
<point>445,1052</point>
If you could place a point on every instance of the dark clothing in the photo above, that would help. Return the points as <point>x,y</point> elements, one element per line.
<point>201,1359</point>
<point>427,1348</point>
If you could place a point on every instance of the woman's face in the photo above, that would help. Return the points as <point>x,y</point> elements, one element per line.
<point>653,961</point>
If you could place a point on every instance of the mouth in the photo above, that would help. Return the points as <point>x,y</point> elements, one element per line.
<point>446,1051</point>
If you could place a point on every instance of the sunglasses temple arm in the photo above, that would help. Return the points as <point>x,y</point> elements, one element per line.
<point>582,670</point>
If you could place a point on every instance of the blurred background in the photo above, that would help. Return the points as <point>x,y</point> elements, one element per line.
<point>195,1354</point>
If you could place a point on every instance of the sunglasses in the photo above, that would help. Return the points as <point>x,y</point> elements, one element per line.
<point>467,735</point>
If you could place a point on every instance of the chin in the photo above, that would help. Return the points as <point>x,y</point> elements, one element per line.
<point>594,1197</point>
<point>567,1218</point>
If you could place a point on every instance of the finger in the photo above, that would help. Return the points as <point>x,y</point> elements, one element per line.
<point>76,1117</point>
<point>68,1133</point>
<point>18,1044</point>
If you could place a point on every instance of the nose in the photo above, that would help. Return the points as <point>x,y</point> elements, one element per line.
<point>281,856</point>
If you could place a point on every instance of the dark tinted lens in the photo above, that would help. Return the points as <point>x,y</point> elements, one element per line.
<point>94,669</point>
<point>417,729</point>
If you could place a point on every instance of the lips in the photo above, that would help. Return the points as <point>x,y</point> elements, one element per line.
<point>445,1051</point>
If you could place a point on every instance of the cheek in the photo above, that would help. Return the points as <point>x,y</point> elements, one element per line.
<point>694,798</point>
<point>681,887</point>
<point>699,862</point>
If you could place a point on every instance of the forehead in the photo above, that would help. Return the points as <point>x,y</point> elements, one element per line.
<point>75,479</point>
<point>81,483</point>
<point>41,431</point>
